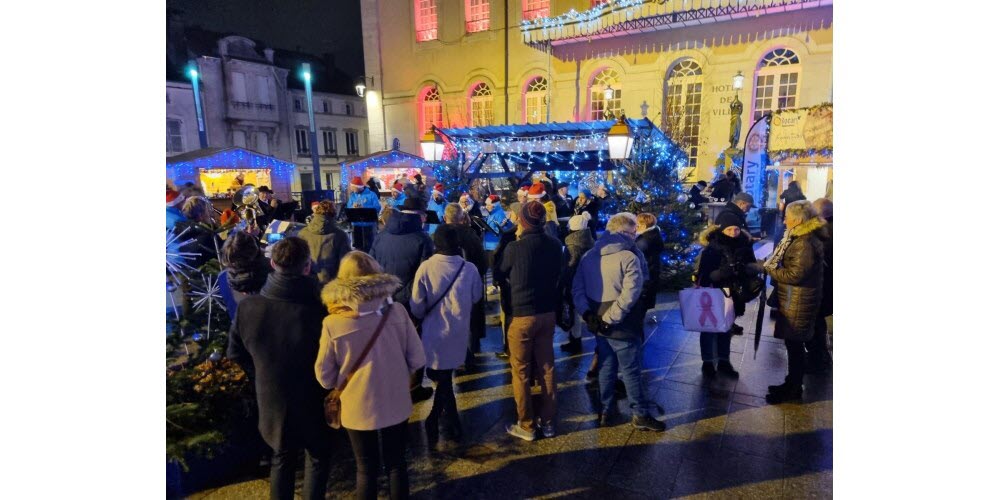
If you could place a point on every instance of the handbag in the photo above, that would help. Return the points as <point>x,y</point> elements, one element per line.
<point>706,310</point>
<point>331,404</point>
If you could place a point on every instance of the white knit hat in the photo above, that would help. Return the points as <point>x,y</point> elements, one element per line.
<point>578,222</point>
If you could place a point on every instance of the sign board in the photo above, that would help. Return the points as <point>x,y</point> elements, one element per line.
<point>806,128</point>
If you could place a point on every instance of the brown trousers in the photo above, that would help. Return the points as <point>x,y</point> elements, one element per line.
<point>530,341</point>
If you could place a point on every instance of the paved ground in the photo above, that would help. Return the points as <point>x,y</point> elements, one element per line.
<point>722,439</point>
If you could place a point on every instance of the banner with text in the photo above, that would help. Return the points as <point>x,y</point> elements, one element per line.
<point>806,128</point>
<point>755,159</point>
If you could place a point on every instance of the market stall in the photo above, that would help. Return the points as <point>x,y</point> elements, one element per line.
<point>386,167</point>
<point>222,171</point>
<point>801,149</point>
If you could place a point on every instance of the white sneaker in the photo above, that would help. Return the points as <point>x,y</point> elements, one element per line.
<point>519,432</point>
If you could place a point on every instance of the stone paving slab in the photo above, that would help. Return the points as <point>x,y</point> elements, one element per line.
<point>722,439</point>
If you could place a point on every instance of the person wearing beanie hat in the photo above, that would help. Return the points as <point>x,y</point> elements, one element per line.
<point>532,265</point>
<point>363,197</point>
<point>496,218</point>
<point>578,242</point>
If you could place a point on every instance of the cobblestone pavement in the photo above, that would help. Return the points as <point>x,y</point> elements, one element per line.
<point>722,439</point>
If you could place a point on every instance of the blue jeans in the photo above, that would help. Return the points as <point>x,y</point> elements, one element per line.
<point>628,353</point>
<point>714,346</point>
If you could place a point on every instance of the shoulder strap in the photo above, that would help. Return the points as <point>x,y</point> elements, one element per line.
<point>446,290</point>
<point>364,353</point>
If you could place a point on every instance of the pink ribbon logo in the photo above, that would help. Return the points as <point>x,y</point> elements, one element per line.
<point>705,301</point>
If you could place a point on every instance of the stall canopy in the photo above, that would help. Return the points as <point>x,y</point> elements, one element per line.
<point>520,150</point>
<point>216,168</point>
<point>386,166</point>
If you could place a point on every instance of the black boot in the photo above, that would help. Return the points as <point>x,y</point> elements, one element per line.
<point>783,393</point>
<point>708,369</point>
<point>574,346</point>
<point>420,393</point>
<point>431,427</point>
<point>726,368</point>
<point>736,329</point>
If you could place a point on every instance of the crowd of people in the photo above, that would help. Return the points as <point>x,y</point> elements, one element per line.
<point>369,316</point>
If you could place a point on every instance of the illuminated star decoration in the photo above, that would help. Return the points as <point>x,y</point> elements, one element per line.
<point>176,258</point>
<point>204,294</point>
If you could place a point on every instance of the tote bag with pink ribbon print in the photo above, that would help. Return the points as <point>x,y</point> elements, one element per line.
<point>706,310</point>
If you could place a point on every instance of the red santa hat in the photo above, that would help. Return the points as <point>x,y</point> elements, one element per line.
<point>493,198</point>
<point>174,198</point>
<point>536,191</point>
<point>397,187</point>
<point>439,188</point>
<point>357,182</point>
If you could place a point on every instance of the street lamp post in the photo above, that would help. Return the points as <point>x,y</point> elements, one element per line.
<point>313,149</point>
<point>431,145</point>
<point>620,140</point>
<point>202,136</point>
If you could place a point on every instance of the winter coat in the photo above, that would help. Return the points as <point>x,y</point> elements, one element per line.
<point>722,189</point>
<point>327,245</point>
<point>650,243</point>
<point>472,246</point>
<point>532,266</point>
<point>400,248</point>
<point>445,327</point>
<point>577,244</point>
<point>609,282</point>
<point>378,395</point>
<point>236,282</point>
<point>723,260</point>
<point>695,197</point>
<point>826,309</point>
<point>275,338</point>
<point>563,206</point>
<point>731,215</point>
<point>798,281</point>
<point>499,278</point>
<point>366,198</point>
<point>174,216</point>
<point>497,219</point>
<point>790,195</point>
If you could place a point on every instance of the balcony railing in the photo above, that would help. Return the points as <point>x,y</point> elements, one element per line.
<point>628,16</point>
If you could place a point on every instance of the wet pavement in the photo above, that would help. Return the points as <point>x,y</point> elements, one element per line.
<point>722,439</point>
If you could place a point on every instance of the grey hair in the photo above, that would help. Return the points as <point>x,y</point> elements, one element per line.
<point>620,222</point>
<point>801,211</point>
<point>453,213</point>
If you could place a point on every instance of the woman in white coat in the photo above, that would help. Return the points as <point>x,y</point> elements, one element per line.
<point>444,290</point>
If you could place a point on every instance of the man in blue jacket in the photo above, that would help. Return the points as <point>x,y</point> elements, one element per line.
<point>363,197</point>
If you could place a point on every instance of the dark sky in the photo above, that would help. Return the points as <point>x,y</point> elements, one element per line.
<point>314,26</point>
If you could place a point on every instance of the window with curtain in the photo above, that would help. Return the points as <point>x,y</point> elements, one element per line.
<point>175,137</point>
<point>599,105</point>
<point>683,106</point>
<point>330,142</point>
<point>777,82</point>
<point>430,109</point>
<point>536,100</point>
<point>477,15</point>
<point>533,9</point>
<point>481,105</point>
<point>425,15</point>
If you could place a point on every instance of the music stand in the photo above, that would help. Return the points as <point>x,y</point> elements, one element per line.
<point>432,217</point>
<point>362,220</point>
<point>482,224</point>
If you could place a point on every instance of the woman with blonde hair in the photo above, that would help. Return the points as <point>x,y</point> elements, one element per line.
<point>375,402</point>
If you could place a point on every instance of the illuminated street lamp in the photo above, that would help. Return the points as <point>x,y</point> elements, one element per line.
<point>431,145</point>
<point>313,143</point>
<point>360,84</point>
<point>620,140</point>
<point>738,80</point>
<point>193,73</point>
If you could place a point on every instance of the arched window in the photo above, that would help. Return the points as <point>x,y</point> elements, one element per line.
<point>777,83</point>
<point>536,101</point>
<point>481,105</point>
<point>425,17</point>
<point>477,15</point>
<point>601,107</point>
<point>430,109</point>
<point>533,9</point>
<point>683,106</point>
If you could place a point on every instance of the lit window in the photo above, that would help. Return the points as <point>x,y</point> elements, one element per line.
<point>301,141</point>
<point>481,105</point>
<point>776,84</point>
<point>536,101</point>
<point>175,138</point>
<point>683,106</point>
<point>534,9</point>
<point>426,19</point>
<point>477,15</point>
<point>600,107</point>
<point>430,109</point>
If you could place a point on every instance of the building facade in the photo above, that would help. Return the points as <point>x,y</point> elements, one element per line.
<point>454,63</point>
<point>250,101</point>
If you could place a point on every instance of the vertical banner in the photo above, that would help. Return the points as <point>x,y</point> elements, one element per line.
<point>755,159</point>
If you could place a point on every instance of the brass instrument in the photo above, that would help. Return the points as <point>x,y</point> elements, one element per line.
<point>245,200</point>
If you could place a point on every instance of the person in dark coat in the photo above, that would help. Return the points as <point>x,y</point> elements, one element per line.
<point>245,270</point>
<point>722,189</point>
<point>578,241</point>
<point>726,257</point>
<point>564,204</point>
<point>199,231</point>
<point>650,243</point>
<point>327,242</point>
<point>819,353</point>
<point>472,248</point>
<point>796,268</point>
<point>585,202</point>
<point>735,213</point>
<point>694,194</point>
<point>275,338</point>
<point>400,248</point>
<point>500,280</point>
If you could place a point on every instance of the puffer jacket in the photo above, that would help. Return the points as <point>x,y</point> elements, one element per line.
<point>650,243</point>
<point>327,245</point>
<point>724,261</point>
<point>798,281</point>
<point>609,282</point>
<point>400,248</point>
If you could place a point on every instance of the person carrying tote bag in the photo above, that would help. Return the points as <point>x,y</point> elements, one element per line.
<point>375,401</point>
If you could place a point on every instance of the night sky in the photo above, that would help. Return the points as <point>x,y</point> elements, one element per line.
<point>313,26</point>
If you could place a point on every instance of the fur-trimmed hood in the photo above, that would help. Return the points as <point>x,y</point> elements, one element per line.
<point>358,295</point>
<point>703,236</point>
<point>714,233</point>
<point>808,226</point>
